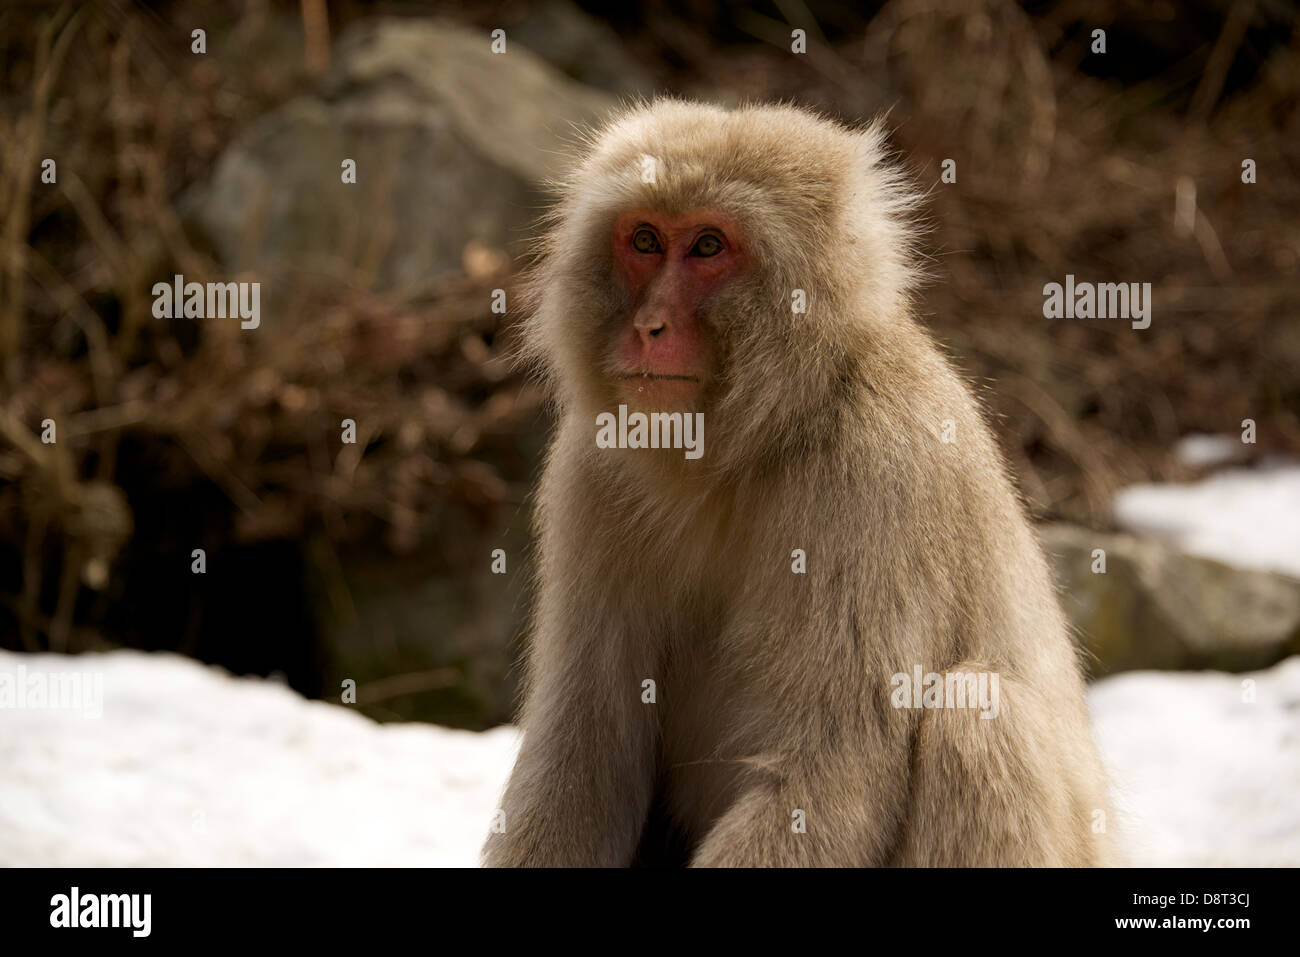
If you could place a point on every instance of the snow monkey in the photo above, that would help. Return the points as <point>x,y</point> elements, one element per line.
<point>828,635</point>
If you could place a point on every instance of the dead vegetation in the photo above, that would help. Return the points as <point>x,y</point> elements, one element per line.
<point>1064,166</point>
<point>425,381</point>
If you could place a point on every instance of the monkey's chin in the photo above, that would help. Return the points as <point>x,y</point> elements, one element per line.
<point>660,393</point>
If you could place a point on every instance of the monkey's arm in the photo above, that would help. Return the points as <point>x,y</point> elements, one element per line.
<point>825,756</point>
<point>581,787</point>
<point>823,816</point>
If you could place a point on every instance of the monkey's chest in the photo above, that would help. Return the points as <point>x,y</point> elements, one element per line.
<point>701,753</point>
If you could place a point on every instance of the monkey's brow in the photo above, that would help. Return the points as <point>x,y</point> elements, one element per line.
<point>701,230</point>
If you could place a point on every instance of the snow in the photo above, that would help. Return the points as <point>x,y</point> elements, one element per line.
<point>190,766</point>
<point>1201,776</point>
<point>1245,517</point>
<point>1201,451</point>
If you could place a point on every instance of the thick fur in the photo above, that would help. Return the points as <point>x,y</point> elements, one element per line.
<point>822,434</point>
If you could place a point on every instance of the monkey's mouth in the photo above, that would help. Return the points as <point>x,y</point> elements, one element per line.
<point>658,376</point>
<point>659,390</point>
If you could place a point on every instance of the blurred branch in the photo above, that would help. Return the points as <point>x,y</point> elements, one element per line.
<point>411,683</point>
<point>1221,57</point>
<point>102,366</point>
<point>316,35</point>
<point>26,149</point>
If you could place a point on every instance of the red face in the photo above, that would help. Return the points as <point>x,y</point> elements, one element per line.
<point>670,265</point>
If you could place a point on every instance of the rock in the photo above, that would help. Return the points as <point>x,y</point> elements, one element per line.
<point>429,635</point>
<point>451,142</point>
<point>586,49</point>
<point>1156,607</point>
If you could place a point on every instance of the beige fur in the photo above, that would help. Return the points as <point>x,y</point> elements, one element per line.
<point>823,434</point>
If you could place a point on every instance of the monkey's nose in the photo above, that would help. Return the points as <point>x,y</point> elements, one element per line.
<point>650,330</point>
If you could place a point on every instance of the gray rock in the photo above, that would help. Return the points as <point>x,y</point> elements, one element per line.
<point>1156,607</point>
<point>428,642</point>
<point>586,49</point>
<point>452,144</point>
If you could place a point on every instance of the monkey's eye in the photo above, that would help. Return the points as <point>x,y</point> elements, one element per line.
<point>645,241</point>
<point>707,245</point>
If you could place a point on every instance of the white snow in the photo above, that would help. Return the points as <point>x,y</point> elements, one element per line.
<point>1245,517</point>
<point>1201,776</point>
<point>1201,451</point>
<point>189,766</point>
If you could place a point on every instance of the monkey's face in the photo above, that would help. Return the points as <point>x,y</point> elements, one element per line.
<point>741,264</point>
<point>670,268</point>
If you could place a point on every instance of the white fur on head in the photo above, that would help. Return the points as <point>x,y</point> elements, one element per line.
<point>824,212</point>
